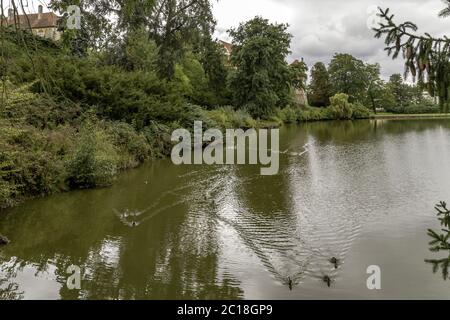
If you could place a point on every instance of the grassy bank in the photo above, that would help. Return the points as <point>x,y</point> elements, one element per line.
<point>388,116</point>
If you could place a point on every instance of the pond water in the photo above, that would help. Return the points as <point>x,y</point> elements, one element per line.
<point>360,191</point>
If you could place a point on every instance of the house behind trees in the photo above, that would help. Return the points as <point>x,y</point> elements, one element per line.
<point>43,24</point>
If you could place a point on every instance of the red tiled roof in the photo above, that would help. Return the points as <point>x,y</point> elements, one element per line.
<point>35,20</point>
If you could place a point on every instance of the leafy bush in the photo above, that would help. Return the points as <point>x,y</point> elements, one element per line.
<point>133,146</point>
<point>425,108</point>
<point>37,110</point>
<point>360,112</point>
<point>287,115</point>
<point>341,108</point>
<point>95,160</point>
<point>158,137</point>
<point>31,161</point>
<point>7,187</point>
<point>228,118</point>
<point>115,94</point>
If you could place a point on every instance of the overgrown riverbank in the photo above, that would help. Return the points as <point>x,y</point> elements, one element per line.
<point>71,119</point>
<point>48,148</point>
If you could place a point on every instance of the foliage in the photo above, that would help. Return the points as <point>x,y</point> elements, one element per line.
<point>425,57</point>
<point>260,80</point>
<point>227,118</point>
<point>441,241</point>
<point>360,111</point>
<point>76,112</point>
<point>398,89</point>
<point>31,160</point>
<point>287,115</point>
<point>374,86</point>
<point>193,81</point>
<point>7,187</point>
<point>95,24</point>
<point>141,52</point>
<point>319,90</point>
<point>341,108</point>
<point>348,75</point>
<point>95,160</point>
<point>132,145</point>
<point>214,62</point>
<point>444,13</point>
<point>402,98</point>
<point>175,23</point>
<point>158,137</point>
<point>137,96</point>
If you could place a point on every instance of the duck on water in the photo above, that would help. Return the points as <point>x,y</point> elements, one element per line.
<point>327,280</point>
<point>290,283</point>
<point>3,240</point>
<point>335,261</point>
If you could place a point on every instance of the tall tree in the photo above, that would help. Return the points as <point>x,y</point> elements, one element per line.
<point>261,79</point>
<point>374,86</point>
<point>320,87</point>
<point>174,23</point>
<point>348,75</point>
<point>96,26</point>
<point>214,61</point>
<point>398,89</point>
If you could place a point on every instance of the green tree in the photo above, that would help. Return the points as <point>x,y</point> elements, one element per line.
<point>341,107</point>
<point>320,87</point>
<point>348,75</point>
<point>385,98</point>
<point>174,24</point>
<point>193,81</point>
<point>399,90</point>
<point>96,27</point>
<point>261,79</point>
<point>213,59</point>
<point>141,52</point>
<point>374,86</point>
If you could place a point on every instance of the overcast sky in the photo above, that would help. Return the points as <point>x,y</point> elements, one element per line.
<point>323,27</point>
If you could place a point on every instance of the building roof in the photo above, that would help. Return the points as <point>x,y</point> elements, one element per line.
<point>227,46</point>
<point>296,61</point>
<point>36,20</point>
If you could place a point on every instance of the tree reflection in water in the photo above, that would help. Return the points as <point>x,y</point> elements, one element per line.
<point>441,241</point>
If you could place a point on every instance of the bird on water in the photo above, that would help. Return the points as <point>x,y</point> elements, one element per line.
<point>3,240</point>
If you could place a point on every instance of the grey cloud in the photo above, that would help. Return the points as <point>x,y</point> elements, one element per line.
<point>324,27</point>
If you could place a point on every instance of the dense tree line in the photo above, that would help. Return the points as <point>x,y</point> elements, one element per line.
<point>363,84</point>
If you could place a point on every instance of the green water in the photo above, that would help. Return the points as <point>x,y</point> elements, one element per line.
<point>361,191</point>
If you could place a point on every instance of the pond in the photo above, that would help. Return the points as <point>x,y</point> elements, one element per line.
<point>360,191</point>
